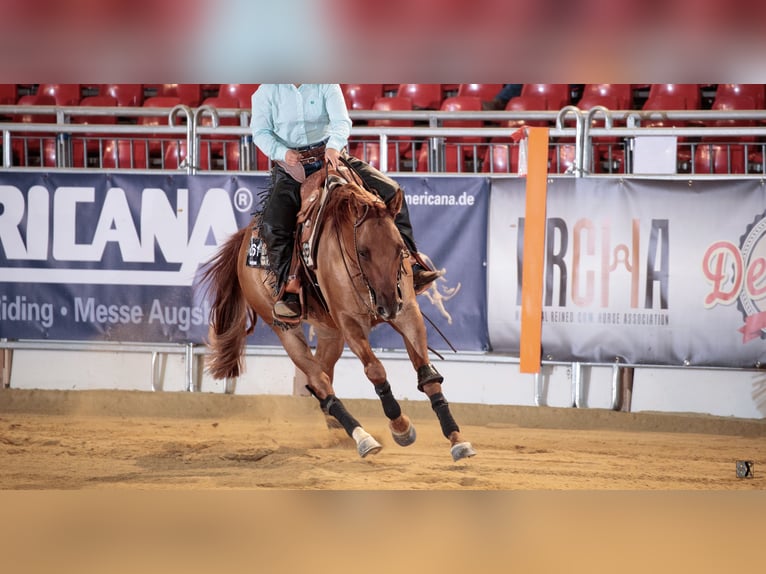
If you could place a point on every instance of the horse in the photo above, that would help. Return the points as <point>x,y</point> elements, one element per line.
<point>362,277</point>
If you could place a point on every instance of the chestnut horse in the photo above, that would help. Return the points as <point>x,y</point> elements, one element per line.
<point>363,277</point>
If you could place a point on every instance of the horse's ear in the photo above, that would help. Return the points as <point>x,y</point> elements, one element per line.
<point>395,205</point>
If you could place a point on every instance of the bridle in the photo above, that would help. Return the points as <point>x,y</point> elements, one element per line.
<point>368,304</point>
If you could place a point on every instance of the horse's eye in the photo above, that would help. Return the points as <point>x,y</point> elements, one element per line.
<point>364,253</point>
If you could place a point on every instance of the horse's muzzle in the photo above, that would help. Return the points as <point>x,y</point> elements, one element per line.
<point>387,308</point>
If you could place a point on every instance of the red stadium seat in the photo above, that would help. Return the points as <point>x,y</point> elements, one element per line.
<point>732,92</point>
<point>423,96</point>
<point>502,156</point>
<point>129,95</point>
<point>243,93</point>
<point>528,103</point>
<point>620,96</point>
<point>719,158</point>
<point>556,95</point>
<point>609,149</point>
<point>485,92</point>
<point>63,94</point>
<point>219,144</point>
<point>125,154</point>
<point>176,152</point>
<point>458,149</point>
<point>726,102</point>
<point>400,148</point>
<point>189,94</point>
<point>361,96</point>
<point>89,144</point>
<point>690,94</point>
<point>155,145</point>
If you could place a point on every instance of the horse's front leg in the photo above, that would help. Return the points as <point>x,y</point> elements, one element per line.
<point>402,429</point>
<point>320,385</point>
<point>411,327</point>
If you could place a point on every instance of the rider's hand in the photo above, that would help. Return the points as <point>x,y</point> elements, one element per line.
<point>292,157</point>
<point>332,157</point>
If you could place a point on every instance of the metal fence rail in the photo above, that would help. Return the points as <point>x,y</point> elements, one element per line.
<point>583,142</point>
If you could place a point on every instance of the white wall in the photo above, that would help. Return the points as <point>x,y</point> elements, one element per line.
<point>468,378</point>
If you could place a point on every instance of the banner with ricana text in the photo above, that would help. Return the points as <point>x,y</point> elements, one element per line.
<point>117,257</point>
<point>641,271</point>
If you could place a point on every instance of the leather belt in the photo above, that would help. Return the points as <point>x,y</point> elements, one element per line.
<point>311,153</point>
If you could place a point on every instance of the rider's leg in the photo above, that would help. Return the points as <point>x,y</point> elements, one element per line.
<point>278,229</point>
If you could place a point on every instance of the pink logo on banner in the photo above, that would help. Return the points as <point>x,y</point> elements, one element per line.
<point>753,293</point>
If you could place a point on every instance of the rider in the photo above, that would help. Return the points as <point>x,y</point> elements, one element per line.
<point>300,126</point>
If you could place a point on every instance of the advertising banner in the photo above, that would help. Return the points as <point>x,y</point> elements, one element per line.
<point>117,257</point>
<point>644,271</point>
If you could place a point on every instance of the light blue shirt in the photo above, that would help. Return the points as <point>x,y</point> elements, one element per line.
<point>285,117</point>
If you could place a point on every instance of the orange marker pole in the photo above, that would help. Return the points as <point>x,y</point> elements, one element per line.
<point>534,251</point>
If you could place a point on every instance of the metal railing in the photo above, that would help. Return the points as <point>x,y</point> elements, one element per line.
<point>204,139</point>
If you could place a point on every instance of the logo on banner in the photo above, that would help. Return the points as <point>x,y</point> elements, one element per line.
<point>738,274</point>
<point>141,236</point>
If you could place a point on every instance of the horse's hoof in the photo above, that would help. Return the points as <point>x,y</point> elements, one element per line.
<point>368,445</point>
<point>462,450</point>
<point>365,442</point>
<point>405,438</point>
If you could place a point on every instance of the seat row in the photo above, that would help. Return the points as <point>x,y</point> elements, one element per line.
<point>423,96</point>
<point>131,95</point>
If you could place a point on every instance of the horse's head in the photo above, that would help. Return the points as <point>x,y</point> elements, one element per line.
<point>374,242</point>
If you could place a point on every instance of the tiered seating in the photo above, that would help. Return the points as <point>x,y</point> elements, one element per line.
<point>727,154</point>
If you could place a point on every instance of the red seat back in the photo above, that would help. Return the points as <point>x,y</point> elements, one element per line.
<point>63,94</point>
<point>243,93</point>
<point>129,95</point>
<point>423,96</point>
<point>556,95</point>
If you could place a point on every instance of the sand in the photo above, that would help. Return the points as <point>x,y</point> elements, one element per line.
<point>133,439</point>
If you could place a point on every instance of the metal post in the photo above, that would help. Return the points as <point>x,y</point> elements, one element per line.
<point>616,398</point>
<point>191,146</point>
<point>156,370</point>
<point>576,384</point>
<point>539,400</point>
<point>189,367</point>
<point>6,360</point>
<point>383,153</point>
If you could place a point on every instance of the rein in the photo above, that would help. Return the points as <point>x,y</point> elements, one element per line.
<point>345,257</point>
